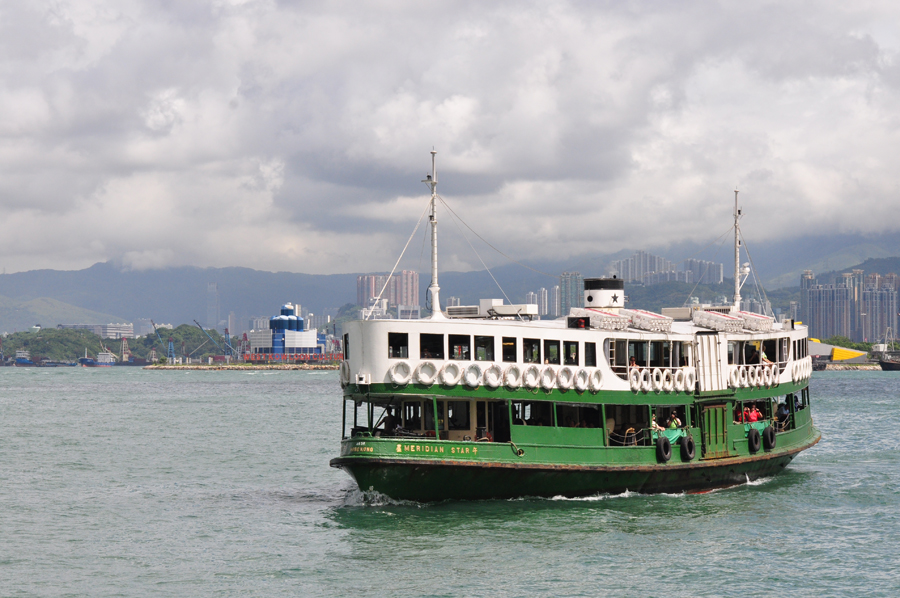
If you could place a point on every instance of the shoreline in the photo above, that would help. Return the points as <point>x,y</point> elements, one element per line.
<point>242,367</point>
<point>843,367</point>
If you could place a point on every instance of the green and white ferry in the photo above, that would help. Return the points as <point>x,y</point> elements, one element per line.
<point>484,401</point>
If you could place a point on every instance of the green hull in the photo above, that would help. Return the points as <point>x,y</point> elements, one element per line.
<point>498,472</point>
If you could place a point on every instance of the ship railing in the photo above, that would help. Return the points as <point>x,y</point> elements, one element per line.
<point>630,437</point>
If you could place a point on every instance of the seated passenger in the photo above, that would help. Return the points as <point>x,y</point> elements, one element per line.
<point>655,427</point>
<point>632,363</point>
<point>783,412</point>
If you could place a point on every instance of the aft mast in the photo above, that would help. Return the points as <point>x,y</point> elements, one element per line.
<point>434,289</point>
<point>737,254</point>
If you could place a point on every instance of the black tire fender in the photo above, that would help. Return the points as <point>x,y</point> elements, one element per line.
<point>768,436</point>
<point>663,449</point>
<point>753,440</point>
<point>687,448</point>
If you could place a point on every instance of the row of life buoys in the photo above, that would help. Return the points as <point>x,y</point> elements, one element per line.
<point>661,380</point>
<point>801,370</point>
<point>754,376</point>
<point>514,376</point>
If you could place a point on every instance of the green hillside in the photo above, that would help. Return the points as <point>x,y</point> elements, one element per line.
<point>18,315</point>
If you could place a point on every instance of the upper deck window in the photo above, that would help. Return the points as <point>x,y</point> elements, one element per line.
<point>484,348</point>
<point>398,345</point>
<point>590,355</point>
<point>531,350</point>
<point>346,346</point>
<point>431,346</point>
<point>551,352</point>
<point>509,349</point>
<point>570,352</point>
<point>459,347</point>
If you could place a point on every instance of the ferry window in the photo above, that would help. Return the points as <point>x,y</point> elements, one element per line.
<point>347,346</point>
<point>627,424</point>
<point>458,415</point>
<point>590,355</point>
<point>484,348</point>
<point>459,346</point>
<point>769,351</point>
<point>509,349</point>
<point>618,357</point>
<point>639,351</point>
<point>570,352</point>
<point>783,350</point>
<point>685,357</point>
<point>577,416</point>
<point>731,352</point>
<point>412,415</point>
<point>531,350</point>
<point>431,346</point>
<point>398,345</point>
<point>551,352</point>
<point>659,354</point>
<point>532,413</point>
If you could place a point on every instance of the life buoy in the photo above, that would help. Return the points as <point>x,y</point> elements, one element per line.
<point>744,377</point>
<point>768,437</point>
<point>345,373</point>
<point>548,378</point>
<point>493,376</point>
<point>687,448</point>
<point>645,380</point>
<point>531,377</point>
<point>634,379</point>
<point>734,378</point>
<point>663,449</point>
<point>473,375</point>
<point>565,378</point>
<point>690,380</point>
<point>753,376</point>
<point>679,380</point>
<point>450,374</point>
<point>512,377</point>
<point>753,440</point>
<point>426,373</point>
<point>596,381</point>
<point>668,381</point>
<point>794,372</point>
<point>776,375</point>
<point>582,379</point>
<point>765,376</point>
<point>400,373</point>
<point>808,369</point>
<point>656,380</point>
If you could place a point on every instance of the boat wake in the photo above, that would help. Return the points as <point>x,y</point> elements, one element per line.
<point>371,498</point>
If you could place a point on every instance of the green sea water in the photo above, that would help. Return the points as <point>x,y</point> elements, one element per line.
<point>124,482</point>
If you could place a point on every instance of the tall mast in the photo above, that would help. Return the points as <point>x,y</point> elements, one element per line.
<point>434,289</point>
<point>737,254</point>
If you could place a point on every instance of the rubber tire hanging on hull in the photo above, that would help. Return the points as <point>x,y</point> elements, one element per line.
<point>663,449</point>
<point>753,440</point>
<point>768,437</point>
<point>688,448</point>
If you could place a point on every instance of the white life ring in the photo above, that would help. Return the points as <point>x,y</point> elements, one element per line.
<point>807,368</point>
<point>582,379</point>
<point>634,378</point>
<point>752,373</point>
<point>493,376</point>
<point>450,374</point>
<point>668,383</point>
<point>678,379</point>
<point>596,381</point>
<point>345,373</point>
<point>473,375</point>
<point>548,378</point>
<point>512,377</point>
<point>690,379</point>
<point>645,380</point>
<point>795,377</point>
<point>400,373</point>
<point>426,373</point>
<point>744,377</point>
<point>734,378</point>
<point>531,377</point>
<point>565,379</point>
<point>656,380</point>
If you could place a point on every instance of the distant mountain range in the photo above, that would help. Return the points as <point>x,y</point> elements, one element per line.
<point>107,293</point>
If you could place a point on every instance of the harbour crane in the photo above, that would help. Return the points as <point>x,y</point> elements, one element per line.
<point>224,352</point>
<point>171,354</point>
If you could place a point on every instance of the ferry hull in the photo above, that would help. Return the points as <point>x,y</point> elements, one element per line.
<point>428,480</point>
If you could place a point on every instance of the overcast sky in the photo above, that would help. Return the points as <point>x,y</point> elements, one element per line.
<point>293,135</point>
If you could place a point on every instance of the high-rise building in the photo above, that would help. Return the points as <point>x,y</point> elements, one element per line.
<point>212,305</point>
<point>571,292</point>
<point>543,301</point>
<point>554,301</point>
<point>807,280</point>
<point>879,312</point>
<point>400,289</point>
<point>531,297</point>
<point>705,272</point>
<point>830,309</point>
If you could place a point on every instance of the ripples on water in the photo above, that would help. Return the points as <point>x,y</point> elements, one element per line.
<point>132,483</point>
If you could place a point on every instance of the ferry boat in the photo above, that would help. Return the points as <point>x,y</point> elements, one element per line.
<point>486,402</point>
<point>23,359</point>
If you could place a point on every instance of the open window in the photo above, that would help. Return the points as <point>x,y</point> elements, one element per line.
<point>532,413</point>
<point>459,347</point>
<point>531,350</point>
<point>398,345</point>
<point>509,349</point>
<point>577,416</point>
<point>570,352</point>
<point>431,346</point>
<point>551,352</point>
<point>484,348</point>
<point>590,355</point>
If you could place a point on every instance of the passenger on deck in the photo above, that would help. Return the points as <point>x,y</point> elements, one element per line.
<point>753,414</point>
<point>738,414</point>
<point>783,412</point>
<point>673,422</point>
<point>655,427</point>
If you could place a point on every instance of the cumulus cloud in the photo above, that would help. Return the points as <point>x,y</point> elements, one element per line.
<point>292,135</point>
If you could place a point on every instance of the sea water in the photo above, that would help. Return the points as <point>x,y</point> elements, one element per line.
<point>125,482</point>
